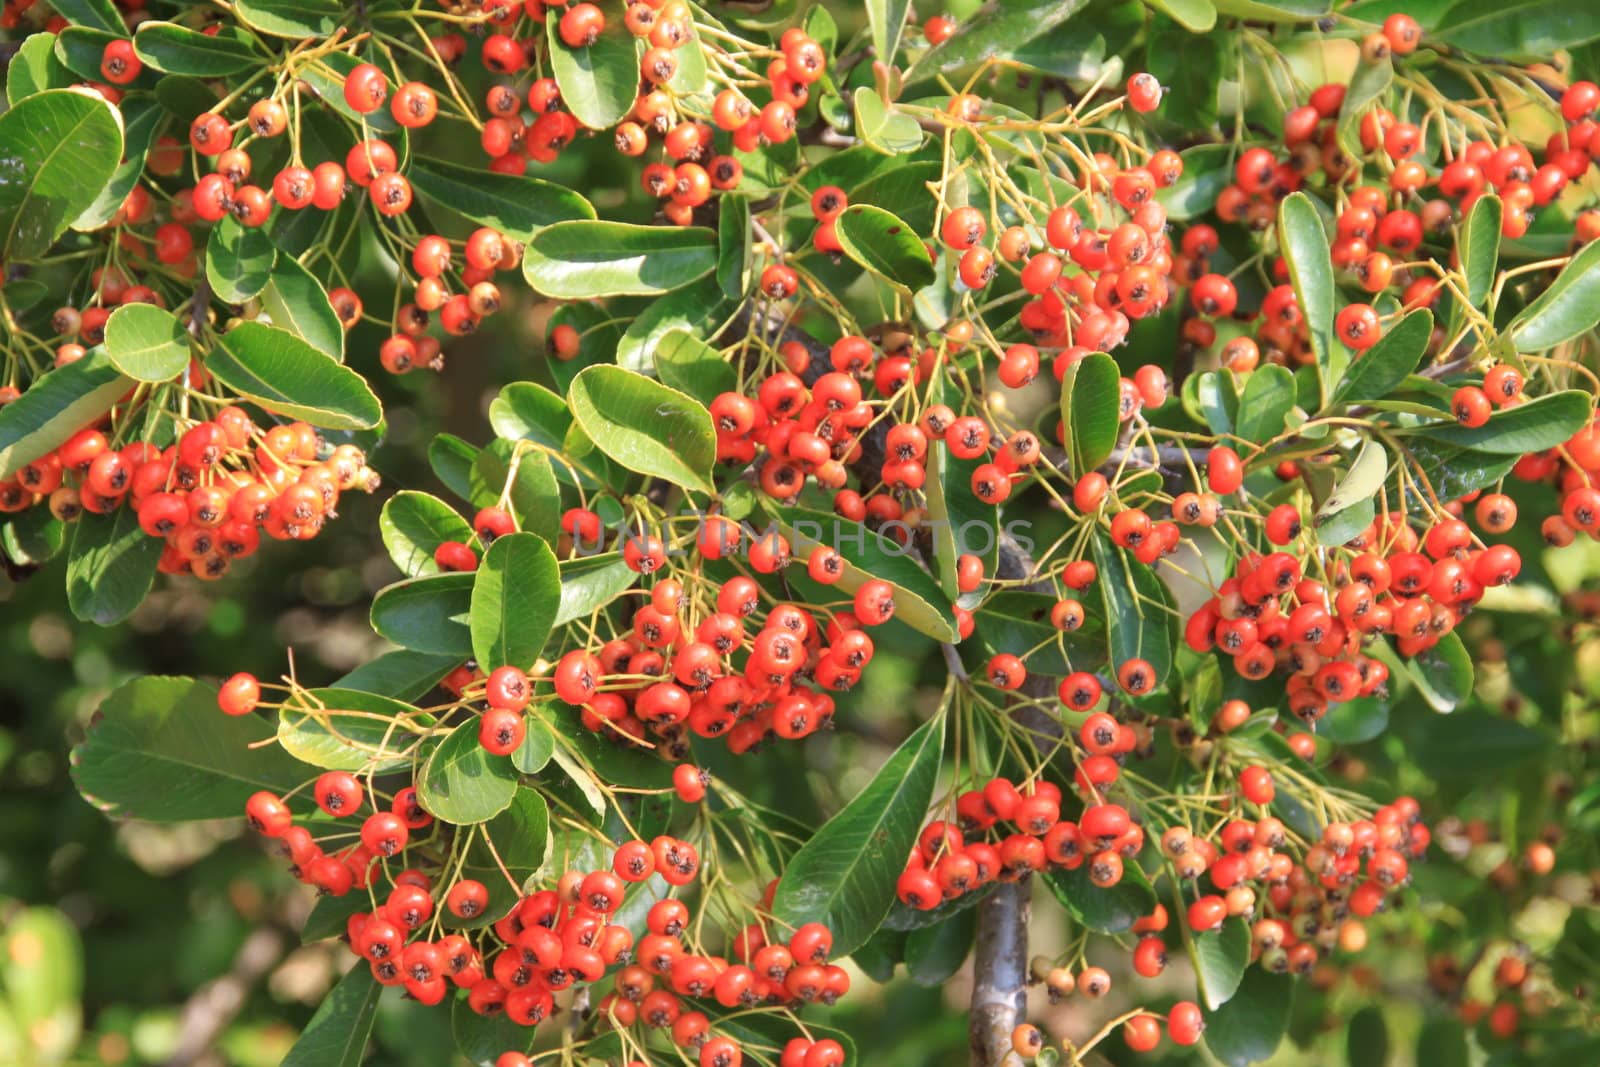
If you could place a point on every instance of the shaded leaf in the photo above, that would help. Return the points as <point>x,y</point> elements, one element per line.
<point>111,566</point>
<point>1105,911</point>
<point>427,614</point>
<point>516,205</point>
<point>284,374</point>
<point>1375,373</point>
<point>1249,1027</point>
<point>462,783</point>
<point>1091,399</point>
<point>516,592</point>
<point>414,524</point>
<point>337,1034</point>
<point>1478,247</point>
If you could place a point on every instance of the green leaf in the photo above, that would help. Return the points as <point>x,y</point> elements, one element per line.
<point>1515,431</point>
<point>691,366</point>
<point>1196,16</point>
<point>97,14</point>
<point>589,583</point>
<point>645,426</point>
<point>32,537</point>
<point>35,68</point>
<point>733,242</point>
<point>1249,1028</point>
<point>845,875</point>
<point>1367,1040</point>
<point>413,525</point>
<point>1518,30</point>
<point>482,1038</point>
<point>81,48</point>
<point>1354,721</point>
<point>1443,1043</point>
<point>886,129</point>
<point>58,149</point>
<point>1478,247</point>
<point>1443,673</point>
<point>57,405</point>
<point>699,310</point>
<point>291,18</point>
<point>515,205</point>
<point>995,31</point>
<point>1105,911</point>
<point>141,117</point>
<point>959,521</point>
<point>184,97</point>
<point>600,82</point>
<point>884,245</point>
<point>1273,10</point>
<point>1091,399</point>
<point>1207,170</point>
<point>347,729</point>
<point>1472,742</point>
<point>1220,957</point>
<point>521,833</point>
<point>427,614</point>
<point>535,498</point>
<point>935,953</point>
<point>1569,308</point>
<point>1368,84</point>
<point>160,751</point>
<point>284,374</point>
<point>1139,613</point>
<point>1375,373</point>
<point>462,783</point>
<point>516,592</point>
<point>1454,471</point>
<point>327,77</point>
<point>1359,486</point>
<point>538,745</point>
<point>146,343</point>
<point>239,260</point>
<point>1304,245</point>
<point>337,1034</point>
<point>868,554</point>
<point>887,19</point>
<point>1265,403</point>
<point>175,49</point>
<point>296,301</point>
<point>527,411</point>
<point>402,674</point>
<point>451,460</point>
<point>582,259</point>
<point>111,566</point>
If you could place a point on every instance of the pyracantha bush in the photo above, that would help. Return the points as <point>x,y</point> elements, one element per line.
<point>1178,388</point>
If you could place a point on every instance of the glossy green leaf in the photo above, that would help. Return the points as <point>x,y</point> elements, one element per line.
<point>81,48</point>
<point>342,728</point>
<point>887,19</point>
<point>1273,10</point>
<point>1091,400</point>
<point>521,836</point>
<point>1196,16</point>
<point>56,406</point>
<point>960,523</point>
<point>32,537</point>
<point>516,205</point>
<point>1443,674</point>
<point>35,68</point>
<point>886,129</point>
<point>146,343</point>
<point>1367,1037</point>
<point>1519,30</point>
<point>57,149</point>
<point>402,674</point>
<point>733,242</point>
<point>645,426</point>
<point>935,953</point>
<point>1249,1027</point>
<point>141,117</point>
<point>582,259</point>
<point>1360,484</point>
<point>845,875</point>
<point>337,1034</point>
<point>589,583</point>
<point>97,14</point>
<point>451,460</point>
<point>1220,957</point>
<point>884,245</point>
<point>481,1039</point>
<point>1265,403</point>
<point>1207,170</point>
<point>1478,247</point>
<point>600,82</point>
<point>691,366</point>
<point>995,31</point>
<point>1105,911</point>
<point>1515,431</point>
<point>534,497</point>
<point>414,524</point>
<point>160,751</point>
<point>462,783</point>
<point>1139,613</point>
<point>1453,471</point>
<point>516,592</point>
<point>1567,309</point>
<point>427,614</point>
<point>239,260</point>
<point>868,554</point>
<point>111,566</point>
<point>699,310</point>
<point>1375,373</point>
<point>1304,245</point>
<point>1354,721</point>
<point>175,49</point>
<point>291,18</point>
<point>284,374</point>
<point>295,300</point>
<point>327,77</point>
<point>1368,85</point>
<point>528,411</point>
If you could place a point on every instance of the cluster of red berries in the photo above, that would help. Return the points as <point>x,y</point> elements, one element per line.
<point>485,251</point>
<point>552,939</point>
<point>210,496</point>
